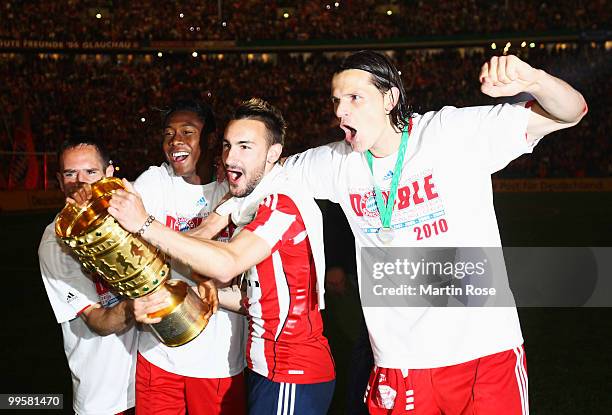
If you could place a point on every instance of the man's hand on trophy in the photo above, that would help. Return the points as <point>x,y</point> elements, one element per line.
<point>126,206</point>
<point>80,195</point>
<point>207,290</point>
<point>150,304</point>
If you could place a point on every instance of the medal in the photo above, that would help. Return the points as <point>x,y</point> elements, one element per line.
<point>386,235</point>
<point>385,210</point>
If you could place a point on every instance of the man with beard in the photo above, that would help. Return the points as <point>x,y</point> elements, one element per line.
<point>204,376</point>
<point>100,339</point>
<point>279,244</point>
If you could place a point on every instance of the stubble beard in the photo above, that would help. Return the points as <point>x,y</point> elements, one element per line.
<point>251,184</point>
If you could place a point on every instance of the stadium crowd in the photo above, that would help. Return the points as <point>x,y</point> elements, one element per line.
<point>249,20</point>
<point>120,97</point>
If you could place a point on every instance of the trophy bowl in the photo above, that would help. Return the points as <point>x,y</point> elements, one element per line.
<point>184,318</point>
<point>132,267</point>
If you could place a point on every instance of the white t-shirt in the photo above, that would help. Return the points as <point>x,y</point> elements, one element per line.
<point>102,367</point>
<point>446,180</point>
<point>218,352</point>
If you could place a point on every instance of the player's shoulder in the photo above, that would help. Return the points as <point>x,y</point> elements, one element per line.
<point>216,187</point>
<point>162,170</point>
<point>341,147</point>
<point>437,115</point>
<point>152,176</point>
<point>49,230</point>
<point>52,252</point>
<point>279,204</point>
<point>49,236</point>
<point>277,209</point>
<point>447,113</point>
<point>336,149</point>
<point>279,201</point>
<point>448,117</point>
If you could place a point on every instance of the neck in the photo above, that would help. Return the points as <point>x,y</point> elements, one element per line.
<point>388,143</point>
<point>192,179</point>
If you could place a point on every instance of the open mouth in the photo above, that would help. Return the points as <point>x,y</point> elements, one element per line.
<point>233,175</point>
<point>179,156</point>
<point>349,132</point>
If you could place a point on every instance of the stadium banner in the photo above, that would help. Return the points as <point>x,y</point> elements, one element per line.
<point>300,45</point>
<point>31,200</point>
<point>113,45</point>
<point>28,44</point>
<point>603,184</point>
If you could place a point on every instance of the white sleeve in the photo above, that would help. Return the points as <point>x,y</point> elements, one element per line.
<point>70,291</point>
<point>213,192</point>
<point>492,135</point>
<point>228,207</point>
<point>150,186</point>
<point>318,169</point>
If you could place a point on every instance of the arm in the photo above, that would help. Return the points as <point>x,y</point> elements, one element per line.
<point>210,227</point>
<point>218,260</point>
<point>317,169</point>
<point>558,105</point>
<point>105,321</point>
<point>69,290</point>
<point>73,294</point>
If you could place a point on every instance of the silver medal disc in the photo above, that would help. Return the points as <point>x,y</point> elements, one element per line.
<point>386,235</point>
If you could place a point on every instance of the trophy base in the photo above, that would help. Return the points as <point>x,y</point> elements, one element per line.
<point>184,319</point>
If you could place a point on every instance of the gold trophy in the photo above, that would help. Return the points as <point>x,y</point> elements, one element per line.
<point>132,267</point>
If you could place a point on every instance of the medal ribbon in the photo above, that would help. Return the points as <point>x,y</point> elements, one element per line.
<point>385,211</point>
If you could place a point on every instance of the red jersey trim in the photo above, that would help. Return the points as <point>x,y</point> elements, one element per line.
<point>81,311</point>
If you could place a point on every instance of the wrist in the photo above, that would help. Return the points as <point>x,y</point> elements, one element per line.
<point>150,219</point>
<point>536,85</point>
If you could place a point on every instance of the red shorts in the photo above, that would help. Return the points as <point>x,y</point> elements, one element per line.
<point>495,384</point>
<point>163,393</point>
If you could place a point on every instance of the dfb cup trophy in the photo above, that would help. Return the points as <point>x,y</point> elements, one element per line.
<point>132,267</point>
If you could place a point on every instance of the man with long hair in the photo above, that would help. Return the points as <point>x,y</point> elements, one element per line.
<point>424,180</point>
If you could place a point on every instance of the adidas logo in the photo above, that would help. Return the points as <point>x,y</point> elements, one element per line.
<point>389,175</point>
<point>70,297</point>
<point>201,202</point>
